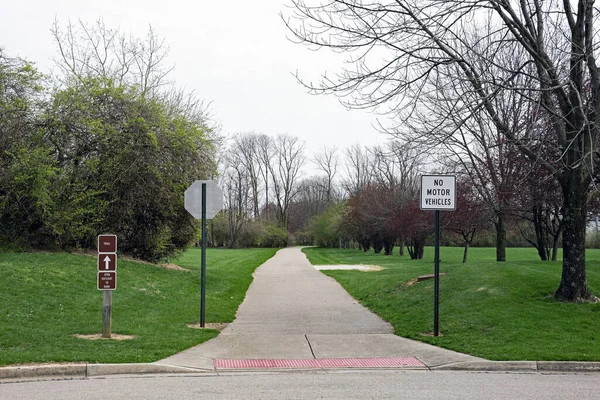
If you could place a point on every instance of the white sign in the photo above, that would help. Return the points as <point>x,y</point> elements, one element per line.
<point>193,199</point>
<point>438,192</point>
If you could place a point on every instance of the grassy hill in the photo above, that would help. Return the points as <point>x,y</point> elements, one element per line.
<point>47,298</point>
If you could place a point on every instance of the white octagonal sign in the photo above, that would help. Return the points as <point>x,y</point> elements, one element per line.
<point>193,199</point>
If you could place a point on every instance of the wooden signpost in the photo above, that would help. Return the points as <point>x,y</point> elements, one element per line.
<point>107,278</point>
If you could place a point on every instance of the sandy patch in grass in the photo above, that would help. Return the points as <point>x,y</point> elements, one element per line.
<point>210,325</point>
<point>172,266</point>
<point>360,267</point>
<point>430,334</point>
<point>98,336</point>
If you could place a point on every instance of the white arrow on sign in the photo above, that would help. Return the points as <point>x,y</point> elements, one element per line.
<point>107,262</point>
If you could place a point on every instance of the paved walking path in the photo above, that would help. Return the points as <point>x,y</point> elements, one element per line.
<point>294,312</point>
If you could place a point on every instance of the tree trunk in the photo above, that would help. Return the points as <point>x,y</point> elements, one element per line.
<point>500,237</point>
<point>388,247</point>
<point>465,252</point>
<point>573,285</point>
<point>420,249</point>
<point>365,244</point>
<point>540,235</point>
<point>555,246</point>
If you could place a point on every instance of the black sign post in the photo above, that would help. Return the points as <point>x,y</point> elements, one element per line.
<point>203,200</point>
<point>203,261</point>
<point>438,192</point>
<point>436,273</point>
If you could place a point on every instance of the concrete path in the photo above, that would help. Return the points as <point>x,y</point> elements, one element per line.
<point>293,311</point>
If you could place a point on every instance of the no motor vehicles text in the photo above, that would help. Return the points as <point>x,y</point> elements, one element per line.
<point>438,202</point>
<point>438,192</point>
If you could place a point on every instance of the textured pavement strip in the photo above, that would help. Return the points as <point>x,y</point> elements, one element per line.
<point>392,362</point>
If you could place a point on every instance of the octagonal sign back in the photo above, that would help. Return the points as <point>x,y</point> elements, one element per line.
<point>193,199</point>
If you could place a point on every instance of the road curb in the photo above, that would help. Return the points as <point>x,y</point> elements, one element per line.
<point>47,371</point>
<point>568,366</point>
<point>140,368</point>
<point>80,371</point>
<point>522,366</point>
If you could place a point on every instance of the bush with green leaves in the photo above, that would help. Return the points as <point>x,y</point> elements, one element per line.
<point>273,236</point>
<point>326,228</point>
<point>95,156</point>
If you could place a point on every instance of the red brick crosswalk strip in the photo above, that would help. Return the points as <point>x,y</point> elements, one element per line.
<point>393,362</point>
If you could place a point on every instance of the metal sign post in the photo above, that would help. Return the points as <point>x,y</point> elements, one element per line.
<point>436,274</point>
<point>203,200</point>
<point>203,261</point>
<point>438,192</point>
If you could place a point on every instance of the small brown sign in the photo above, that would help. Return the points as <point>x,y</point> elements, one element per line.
<point>107,280</point>
<point>107,243</point>
<point>107,262</point>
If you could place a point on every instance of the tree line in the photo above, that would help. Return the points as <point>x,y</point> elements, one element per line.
<point>368,197</point>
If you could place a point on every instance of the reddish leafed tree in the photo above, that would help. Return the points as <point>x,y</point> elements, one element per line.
<point>416,227</point>
<point>539,202</point>
<point>371,219</point>
<point>471,214</point>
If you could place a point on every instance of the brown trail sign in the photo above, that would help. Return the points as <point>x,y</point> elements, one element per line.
<point>107,277</point>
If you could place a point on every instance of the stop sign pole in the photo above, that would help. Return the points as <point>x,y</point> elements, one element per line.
<point>203,261</point>
<point>211,201</point>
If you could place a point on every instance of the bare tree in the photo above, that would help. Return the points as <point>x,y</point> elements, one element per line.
<point>98,51</point>
<point>247,147</point>
<point>399,50</point>
<point>236,184</point>
<point>285,173</point>
<point>265,150</point>
<point>453,125</point>
<point>357,168</point>
<point>397,165</point>
<point>310,201</point>
<point>327,161</point>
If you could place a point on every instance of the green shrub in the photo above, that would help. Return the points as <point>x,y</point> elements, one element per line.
<point>273,236</point>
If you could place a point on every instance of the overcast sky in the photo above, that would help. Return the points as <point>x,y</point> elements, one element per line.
<point>234,54</point>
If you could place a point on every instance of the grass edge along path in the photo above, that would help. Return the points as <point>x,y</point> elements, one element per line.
<point>48,298</point>
<point>498,311</point>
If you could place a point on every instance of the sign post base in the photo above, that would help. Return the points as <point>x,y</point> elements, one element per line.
<point>106,313</point>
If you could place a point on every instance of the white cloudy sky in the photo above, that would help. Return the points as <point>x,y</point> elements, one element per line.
<point>233,53</point>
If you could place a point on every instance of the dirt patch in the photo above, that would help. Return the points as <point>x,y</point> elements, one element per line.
<point>98,336</point>
<point>430,334</point>
<point>210,325</point>
<point>92,253</point>
<point>172,266</point>
<point>360,267</point>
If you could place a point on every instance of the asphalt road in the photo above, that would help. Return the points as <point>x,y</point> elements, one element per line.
<point>316,385</point>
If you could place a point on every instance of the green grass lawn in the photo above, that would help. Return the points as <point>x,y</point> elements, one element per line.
<point>47,298</point>
<point>498,311</point>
